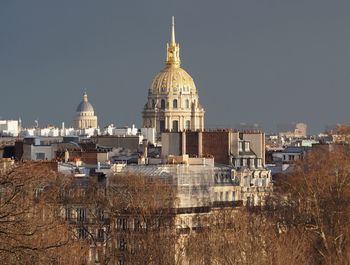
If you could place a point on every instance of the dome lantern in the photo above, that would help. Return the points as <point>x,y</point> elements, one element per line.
<point>173,49</point>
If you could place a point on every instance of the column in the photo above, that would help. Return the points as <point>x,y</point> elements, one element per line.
<point>200,144</point>
<point>183,149</point>
<point>181,125</point>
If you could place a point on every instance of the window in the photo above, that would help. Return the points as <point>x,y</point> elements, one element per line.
<point>122,244</point>
<point>98,255</point>
<point>246,146</point>
<point>249,201</point>
<point>233,196</point>
<point>252,162</point>
<point>40,156</point>
<point>100,214</point>
<point>188,125</point>
<point>237,162</point>
<point>259,162</point>
<point>240,146</point>
<point>175,103</point>
<point>162,104</point>
<point>175,126</point>
<point>137,225</point>
<point>67,213</point>
<point>62,194</point>
<point>187,104</point>
<point>100,234</point>
<point>162,125</point>
<point>82,233</point>
<point>122,223</point>
<point>81,214</point>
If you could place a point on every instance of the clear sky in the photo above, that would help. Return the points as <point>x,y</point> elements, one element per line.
<point>262,62</point>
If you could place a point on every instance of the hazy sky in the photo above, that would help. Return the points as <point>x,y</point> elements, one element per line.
<point>257,61</point>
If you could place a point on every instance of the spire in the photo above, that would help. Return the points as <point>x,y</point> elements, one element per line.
<point>173,31</point>
<point>85,98</point>
<point>173,49</point>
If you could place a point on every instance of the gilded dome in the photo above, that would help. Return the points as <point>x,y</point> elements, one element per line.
<point>85,105</point>
<point>173,80</point>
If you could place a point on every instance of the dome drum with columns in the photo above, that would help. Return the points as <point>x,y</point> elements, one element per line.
<point>173,103</point>
<point>85,117</point>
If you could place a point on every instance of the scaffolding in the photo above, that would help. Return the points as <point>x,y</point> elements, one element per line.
<point>192,182</point>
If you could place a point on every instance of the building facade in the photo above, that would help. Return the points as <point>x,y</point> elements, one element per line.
<point>228,147</point>
<point>173,103</point>
<point>10,127</point>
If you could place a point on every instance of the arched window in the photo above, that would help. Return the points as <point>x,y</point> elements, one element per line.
<point>175,103</point>
<point>187,104</point>
<point>162,104</point>
<point>188,125</point>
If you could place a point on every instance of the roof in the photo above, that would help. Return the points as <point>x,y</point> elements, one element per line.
<point>173,80</point>
<point>294,149</point>
<point>85,105</point>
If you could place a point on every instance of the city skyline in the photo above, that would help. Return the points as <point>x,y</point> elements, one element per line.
<point>264,63</point>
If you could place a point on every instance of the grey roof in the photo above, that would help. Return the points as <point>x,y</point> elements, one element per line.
<point>294,149</point>
<point>85,105</point>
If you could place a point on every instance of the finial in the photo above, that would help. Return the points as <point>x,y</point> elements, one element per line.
<point>85,98</point>
<point>172,30</point>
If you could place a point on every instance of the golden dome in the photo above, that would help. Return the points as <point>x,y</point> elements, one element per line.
<point>173,80</point>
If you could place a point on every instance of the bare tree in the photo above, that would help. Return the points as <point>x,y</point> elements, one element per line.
<point>316,198</point>
<point>242,237</point>
<point>142,209</point>
<point>31,230</point>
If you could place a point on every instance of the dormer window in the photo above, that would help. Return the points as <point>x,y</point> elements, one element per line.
<point>240,146</point>
<point>259,162</point>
